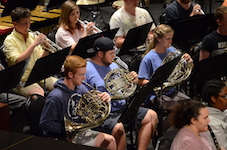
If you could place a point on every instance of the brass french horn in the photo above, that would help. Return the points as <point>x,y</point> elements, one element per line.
<point>180,73</point>
<point>88,109</point>
<point>119,83</point>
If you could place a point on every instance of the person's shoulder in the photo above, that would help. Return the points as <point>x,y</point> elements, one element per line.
<point>172,5</point>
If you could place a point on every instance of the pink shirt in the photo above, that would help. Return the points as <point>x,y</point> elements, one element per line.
<point>65,39</point>
<point>186,139</point>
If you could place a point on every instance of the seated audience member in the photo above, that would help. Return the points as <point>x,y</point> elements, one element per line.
<point>158,50</point>
<point>182,9</point>
<point>70,29</point>
<point>215,94</point>
<point>97,68</point>
<point>191,118</point>
<point>127,17</point>
<point>20,45</point>
<point>17,106</point>
<point>56,105</point>
<point>215,43</point>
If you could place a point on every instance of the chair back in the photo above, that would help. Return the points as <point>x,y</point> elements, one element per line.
<point>34,109</point>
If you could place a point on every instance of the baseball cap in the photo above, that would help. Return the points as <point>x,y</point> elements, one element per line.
<point>102,44</point>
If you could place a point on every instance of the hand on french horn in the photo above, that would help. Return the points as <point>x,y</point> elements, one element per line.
<point>187,57</point>
<point>105,97</point>
<point>134,76</point>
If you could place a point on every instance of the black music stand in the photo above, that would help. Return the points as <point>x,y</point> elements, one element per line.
<point>158,78</point>
<point>207,69</point>
<point>135,37</point>
<point>191,30</point>
<point>10,77</point>
<point>87,42</point>
<point>47,66</point>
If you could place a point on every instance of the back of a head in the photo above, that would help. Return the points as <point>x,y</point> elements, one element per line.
<point>20,12</point>
<point>211,88</point>
<point>218,14</point>
<point>184,111</point>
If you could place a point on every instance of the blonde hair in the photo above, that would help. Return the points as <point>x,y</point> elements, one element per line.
<point>159,32</point>
<point>67,7</point>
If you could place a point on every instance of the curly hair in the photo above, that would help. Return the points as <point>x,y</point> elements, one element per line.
<point>211,88</point>
<point>184,111</point>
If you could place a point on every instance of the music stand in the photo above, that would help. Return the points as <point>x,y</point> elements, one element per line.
<point>10,77</point>
<point>210,68</point>
<point>135,37</point>
<point>158,78</point>
<point>191,30</point>
<point>87,42</point>
<point>47,66</point>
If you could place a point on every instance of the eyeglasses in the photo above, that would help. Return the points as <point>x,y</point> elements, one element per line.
<point>223,96</point>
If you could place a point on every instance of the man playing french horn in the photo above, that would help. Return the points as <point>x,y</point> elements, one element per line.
<point>56,106</point>
<point>20,45</point>
<point>98,66</point>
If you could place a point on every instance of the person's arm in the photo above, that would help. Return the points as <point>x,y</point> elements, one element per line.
<point>196,10</point>
<point>50,120</point>
<point>27,53</point>
<point>119,40</point>
<point>203,54</point>
<point>145,71</point>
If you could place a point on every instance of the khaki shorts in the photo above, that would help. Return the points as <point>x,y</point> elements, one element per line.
<point>24,90</point>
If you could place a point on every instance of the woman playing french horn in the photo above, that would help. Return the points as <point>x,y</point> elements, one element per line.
<point>71,29</point>
<point>158,49</point>
<point>55,108</point>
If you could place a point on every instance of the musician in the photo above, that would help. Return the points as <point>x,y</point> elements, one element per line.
<point>158,50</point>
<point>127,17</point>
<point>97,68</point>
<point>20,45</point>
<point>182,9</point>
<point>214,93</point>
<point>70,29</point>
<point>17,108</point>
<point>191,118</point>
<point>215,43</point>
<point>55,108</point>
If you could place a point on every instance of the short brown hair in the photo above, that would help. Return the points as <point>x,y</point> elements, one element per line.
<point>72,63</point>
<point>20,12</point>
<point>218,14</point>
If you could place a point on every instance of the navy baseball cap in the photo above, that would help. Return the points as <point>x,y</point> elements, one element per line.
<point>102,44</point>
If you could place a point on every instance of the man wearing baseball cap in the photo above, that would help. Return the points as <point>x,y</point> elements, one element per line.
<point>97,68</point>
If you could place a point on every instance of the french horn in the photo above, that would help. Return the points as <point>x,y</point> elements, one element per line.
<point>180,73</point>
<point>49,45</point>
<point>89,109</point>
<point>119,82</point>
